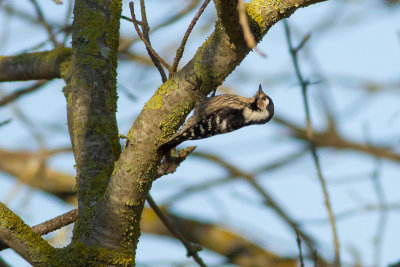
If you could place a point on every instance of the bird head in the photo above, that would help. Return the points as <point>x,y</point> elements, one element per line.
<point>264,102</point>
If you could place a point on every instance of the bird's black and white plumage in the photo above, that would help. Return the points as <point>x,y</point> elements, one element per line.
<point>222,114</point>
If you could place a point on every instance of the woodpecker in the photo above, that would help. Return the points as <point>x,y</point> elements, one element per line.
<point>222,114</point>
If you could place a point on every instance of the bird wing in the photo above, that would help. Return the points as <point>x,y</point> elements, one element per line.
<point>214,104</point>
<point>209,106</point>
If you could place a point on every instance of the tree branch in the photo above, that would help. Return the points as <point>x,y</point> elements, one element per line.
<point>23,240</point>
<point>34,66</point>
<point>92,102</point>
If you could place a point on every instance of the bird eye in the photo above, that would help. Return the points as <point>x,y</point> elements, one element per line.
<point>264,98</point>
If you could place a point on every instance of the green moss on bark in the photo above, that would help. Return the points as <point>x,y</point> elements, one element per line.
<point>78,254</point>
<point>38,249</point>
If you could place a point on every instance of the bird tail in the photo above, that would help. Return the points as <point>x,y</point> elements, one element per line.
<point>177,138</point>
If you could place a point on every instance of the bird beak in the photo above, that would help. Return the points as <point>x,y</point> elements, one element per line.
<point>260,91</point>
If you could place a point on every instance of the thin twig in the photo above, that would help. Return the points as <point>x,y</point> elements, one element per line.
<point>179,51</point>
<point>315,258</point>
<point>13,96</point>
<point>303,42</point>
<point>56,223</point>
<point>44,23</point>
<point>147,44</point>
<point>191,248</point>
<point>146,30</point>
<point>2,123</point>
<point>67,27</point>
<point>298,240</point>
<point>126,18</point>
<point>172,19</point>
<point>380,228</point>
<point>304,85</point>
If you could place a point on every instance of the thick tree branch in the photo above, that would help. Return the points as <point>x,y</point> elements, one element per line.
<point>34,66</point>
<point>92,102</point>
<point>22,239</point>
<point>164,113</point>
<point>228,16</point>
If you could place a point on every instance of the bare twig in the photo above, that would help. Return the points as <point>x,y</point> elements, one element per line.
<point>147,44</point>
<point>56,223</point>
<point>298,240</point>
<point>302,43</point>
<point>67,27</point>
<point>146,30</point>
<point>172,19</point>
<point>304,84</point>
<point>11,97</point>
<point>179,51</point>
<point>44,23</point>
<point>315,258</point>
<point>2,123</point>
<point>191,248</point>
<point>126,18</point>
<point>247,34</point>
<point>380,227</point>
